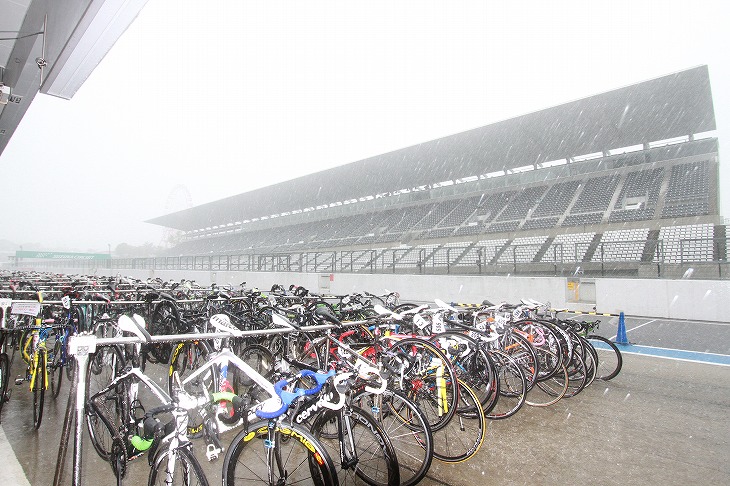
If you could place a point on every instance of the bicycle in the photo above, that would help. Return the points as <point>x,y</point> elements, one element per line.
<point>34,351</point>
<point>169,451</point>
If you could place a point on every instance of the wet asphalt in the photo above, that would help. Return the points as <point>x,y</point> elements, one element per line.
<point>660,421</point>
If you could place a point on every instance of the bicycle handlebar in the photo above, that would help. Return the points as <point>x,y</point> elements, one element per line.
<point>287,398</point>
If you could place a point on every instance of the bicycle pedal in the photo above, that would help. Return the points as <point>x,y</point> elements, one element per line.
<point>212,452</point>
<point>19,380</point>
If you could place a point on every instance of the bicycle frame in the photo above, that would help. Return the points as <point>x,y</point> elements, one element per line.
<point>36,342</point>
<point>225,357</point>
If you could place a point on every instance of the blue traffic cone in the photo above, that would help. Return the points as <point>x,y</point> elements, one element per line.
<point>621,334</point>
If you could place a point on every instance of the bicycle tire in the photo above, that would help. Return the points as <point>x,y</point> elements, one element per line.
<point>377,463</point>
<point>101,371</point>
<point>4,377</point>
<point>245,461</point>
<point>404,307</point>
<point>464,435</point>
<point>165,320</point>
<point>190,473</point>
<point>407,429</point>
<point>39,389</point>
<point>103,427</point>
<point>610,360</point>
<point>590,356</point>
<point>577,376</point>
<point>56,370</point>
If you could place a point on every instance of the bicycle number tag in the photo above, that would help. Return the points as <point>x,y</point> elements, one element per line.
<point>419,321</point>
<point>500,321</point>
<point>26,308</point>
<point>5,303</point>
<point>437,324</point>
<point>66,302</point>
<point>481,325</point>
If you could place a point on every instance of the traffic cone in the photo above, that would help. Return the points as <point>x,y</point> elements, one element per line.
<point>621,334</point>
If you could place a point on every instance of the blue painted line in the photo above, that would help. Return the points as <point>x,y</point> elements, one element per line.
<point>678,354</point>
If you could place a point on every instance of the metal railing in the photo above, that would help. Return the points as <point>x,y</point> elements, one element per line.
<point>466,259</point>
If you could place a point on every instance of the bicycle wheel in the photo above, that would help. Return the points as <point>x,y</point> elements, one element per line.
<point>185,358</point>
<point>358,446</point>
<point>472,363</point>
<point>103,367</point>
<point>165,320</point>
<point>4,377</point>
<point>610,360</point>
<point>181,469</point>
<point>426,376</point>
<point>39,388</point>
<point>298,350</point>
<point>590,357</point>
<point>56,368</point>
<point>463,436</point>
<point>520,349</point>
<point>106,422</point>
<point>70,367</point>
<point>278,454</point>
<point>577,375</point>
<point>510,394</point>
<point>550,391</point>
<point>260,359</point>
<point>407,429</point>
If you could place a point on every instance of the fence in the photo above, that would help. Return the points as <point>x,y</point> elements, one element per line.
<point>608,258</point>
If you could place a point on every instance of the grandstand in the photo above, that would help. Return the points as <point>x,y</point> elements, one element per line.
<point>623,182</point>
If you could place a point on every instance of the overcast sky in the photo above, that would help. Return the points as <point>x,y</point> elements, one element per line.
<point>215,98</point>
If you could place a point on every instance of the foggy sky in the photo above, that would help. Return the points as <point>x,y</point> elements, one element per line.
<point>219,98</point>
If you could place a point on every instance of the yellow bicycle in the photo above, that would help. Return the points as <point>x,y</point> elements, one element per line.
<point>35,354</point>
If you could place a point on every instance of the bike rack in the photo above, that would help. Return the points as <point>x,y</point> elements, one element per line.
<point>81,346</point>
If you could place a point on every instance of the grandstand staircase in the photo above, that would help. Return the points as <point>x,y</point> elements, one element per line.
<point>652,240</point>
<point>567,211</point>
<point>543,249</point>
<point>430,255</point>
<point>466,251</point>
<point>592,247</point>
<point>719,249</point>
<point>662,193</point>
<point>499,252</point>
<point>611,206</point>
<point>371,262</point>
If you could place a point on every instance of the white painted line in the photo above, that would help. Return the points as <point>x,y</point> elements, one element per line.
<point>676,359</point>
<point>640,325</point>
<point>12,470</point>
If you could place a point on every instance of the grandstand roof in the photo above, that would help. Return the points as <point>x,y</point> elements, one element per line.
<point>671,106</point>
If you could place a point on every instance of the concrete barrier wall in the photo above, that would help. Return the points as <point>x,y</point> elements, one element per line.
<point>706,300</point>
<point>679,299</point>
